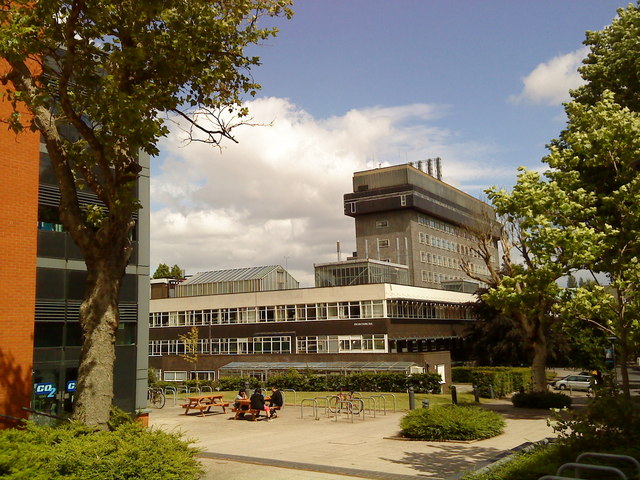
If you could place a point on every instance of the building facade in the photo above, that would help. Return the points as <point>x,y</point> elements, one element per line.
<point>405,215</point>
<point>360,323</point>
<point>41,351</point>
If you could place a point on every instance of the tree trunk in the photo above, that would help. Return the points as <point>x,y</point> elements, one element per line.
<point>99,318</point>
<point>623,359</point>
<point>539,363</point>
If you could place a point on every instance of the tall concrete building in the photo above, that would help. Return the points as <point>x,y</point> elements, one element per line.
<point>407,215</point>
<point>45,275</point>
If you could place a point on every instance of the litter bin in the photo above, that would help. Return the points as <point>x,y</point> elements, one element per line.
<point>425,403</point>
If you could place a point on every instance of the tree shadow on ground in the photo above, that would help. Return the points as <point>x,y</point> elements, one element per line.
<point>448,459</point>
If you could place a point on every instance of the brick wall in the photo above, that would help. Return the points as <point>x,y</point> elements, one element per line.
<point>19,168</point>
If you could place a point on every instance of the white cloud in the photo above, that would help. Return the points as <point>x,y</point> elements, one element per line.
<point>549,83</point>
<point>276,196</point>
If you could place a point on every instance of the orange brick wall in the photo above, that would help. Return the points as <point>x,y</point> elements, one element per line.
<point>19,169</point>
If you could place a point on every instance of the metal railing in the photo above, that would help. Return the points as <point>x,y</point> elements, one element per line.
<point>579,468</point>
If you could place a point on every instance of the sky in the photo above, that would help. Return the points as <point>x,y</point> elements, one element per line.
<point>349,85</point>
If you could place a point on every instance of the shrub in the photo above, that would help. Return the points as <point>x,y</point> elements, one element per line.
<point>360,381</point>
<point>452,422</point>
<point>78,452</point>
<point>504,380</point>
<point>541,400</point>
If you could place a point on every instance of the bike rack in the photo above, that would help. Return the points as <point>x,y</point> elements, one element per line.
<point>315,407</point>
<point>579,467</point>
<point>289,390</point>
<point>610,456</point>
<point>174,391</point>
<point>210,389</point>
<point>182,388</point>
<point>383,395</point>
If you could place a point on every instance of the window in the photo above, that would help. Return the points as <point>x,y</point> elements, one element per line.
<point>382,223</point>
<point>382,243</point>
<point>403,200</point>
<point>174,376</point>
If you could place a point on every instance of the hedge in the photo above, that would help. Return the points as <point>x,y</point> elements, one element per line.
<point>543,400</point>
<point>361,381</point>
<point>74,452</point>
<point>505,380</point>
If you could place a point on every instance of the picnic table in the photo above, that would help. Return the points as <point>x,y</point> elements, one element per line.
<point>204,402</point>
<point>244,408</point>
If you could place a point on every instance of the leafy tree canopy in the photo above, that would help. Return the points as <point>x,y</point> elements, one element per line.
<point>99,80</point>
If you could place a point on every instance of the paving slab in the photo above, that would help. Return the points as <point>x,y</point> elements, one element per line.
<point>297,444</point>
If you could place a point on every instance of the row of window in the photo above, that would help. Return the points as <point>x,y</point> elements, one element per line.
<point>432,277</point>
<point>274,345</point>
<point>270,313</point>
<point>303,312</point>
<point>427,310</point>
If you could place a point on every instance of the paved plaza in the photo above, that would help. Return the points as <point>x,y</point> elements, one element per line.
<point>291,447</point>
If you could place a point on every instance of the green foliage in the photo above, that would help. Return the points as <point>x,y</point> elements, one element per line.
<point>152,377</point>
<point>99,81</point>
<point>163,271</point>
<point>530,465</point>
<point>118,417</point>
<point>363,381</point>
<point>544,400</point>
<point>609,419</point>
<point>451,422</point>
<point>609,424</point>
<point>78,452</point>
<point>505,380</point>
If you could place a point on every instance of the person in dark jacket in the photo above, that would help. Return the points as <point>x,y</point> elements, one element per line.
<point>257,402</point>
<point>277,400</point>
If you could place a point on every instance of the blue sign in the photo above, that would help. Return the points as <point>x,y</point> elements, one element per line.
<point>71,385</point>
<point>47,389</point>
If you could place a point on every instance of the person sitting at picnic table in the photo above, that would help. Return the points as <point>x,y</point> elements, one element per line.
<point>257,402</point>
<point>276,401</point>
<point>242,395</point>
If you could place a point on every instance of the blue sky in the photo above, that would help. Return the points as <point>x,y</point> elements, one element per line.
<point>351,84</point>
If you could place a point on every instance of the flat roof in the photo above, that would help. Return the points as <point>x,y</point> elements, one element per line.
<point>333,366</point>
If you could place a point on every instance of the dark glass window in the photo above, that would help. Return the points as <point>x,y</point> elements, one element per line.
<point>47,175</point>
<point>74,335</point>
<point>129,288</point>
<point>50,283</point>
<point>76,284</point>
<point>48,334</point>
<point>126,334</point>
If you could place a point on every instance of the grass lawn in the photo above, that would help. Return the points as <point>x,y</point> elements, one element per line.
<point>402,398</point>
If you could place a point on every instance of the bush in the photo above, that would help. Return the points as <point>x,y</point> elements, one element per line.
<point>360,381</point>
<point>451,422</point>
<point>541,400</point>
<point>76,452</point>
<point>504,380</point>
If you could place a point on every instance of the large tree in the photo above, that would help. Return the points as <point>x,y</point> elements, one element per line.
<point>114,71</point>
<point>535,255</point>
<point>590,161</point>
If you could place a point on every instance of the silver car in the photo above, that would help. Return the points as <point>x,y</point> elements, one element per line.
<point>575,382</point>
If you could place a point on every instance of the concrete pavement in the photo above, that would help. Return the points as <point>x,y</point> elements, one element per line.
<point>293,447</point>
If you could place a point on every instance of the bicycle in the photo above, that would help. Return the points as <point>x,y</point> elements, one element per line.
<point>156,397</point>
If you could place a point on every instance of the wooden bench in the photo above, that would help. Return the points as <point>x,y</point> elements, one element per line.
<point>252,411</point>
<point>203,403</point>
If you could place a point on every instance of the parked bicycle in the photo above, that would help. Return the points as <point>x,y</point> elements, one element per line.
<point>156,397</point>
